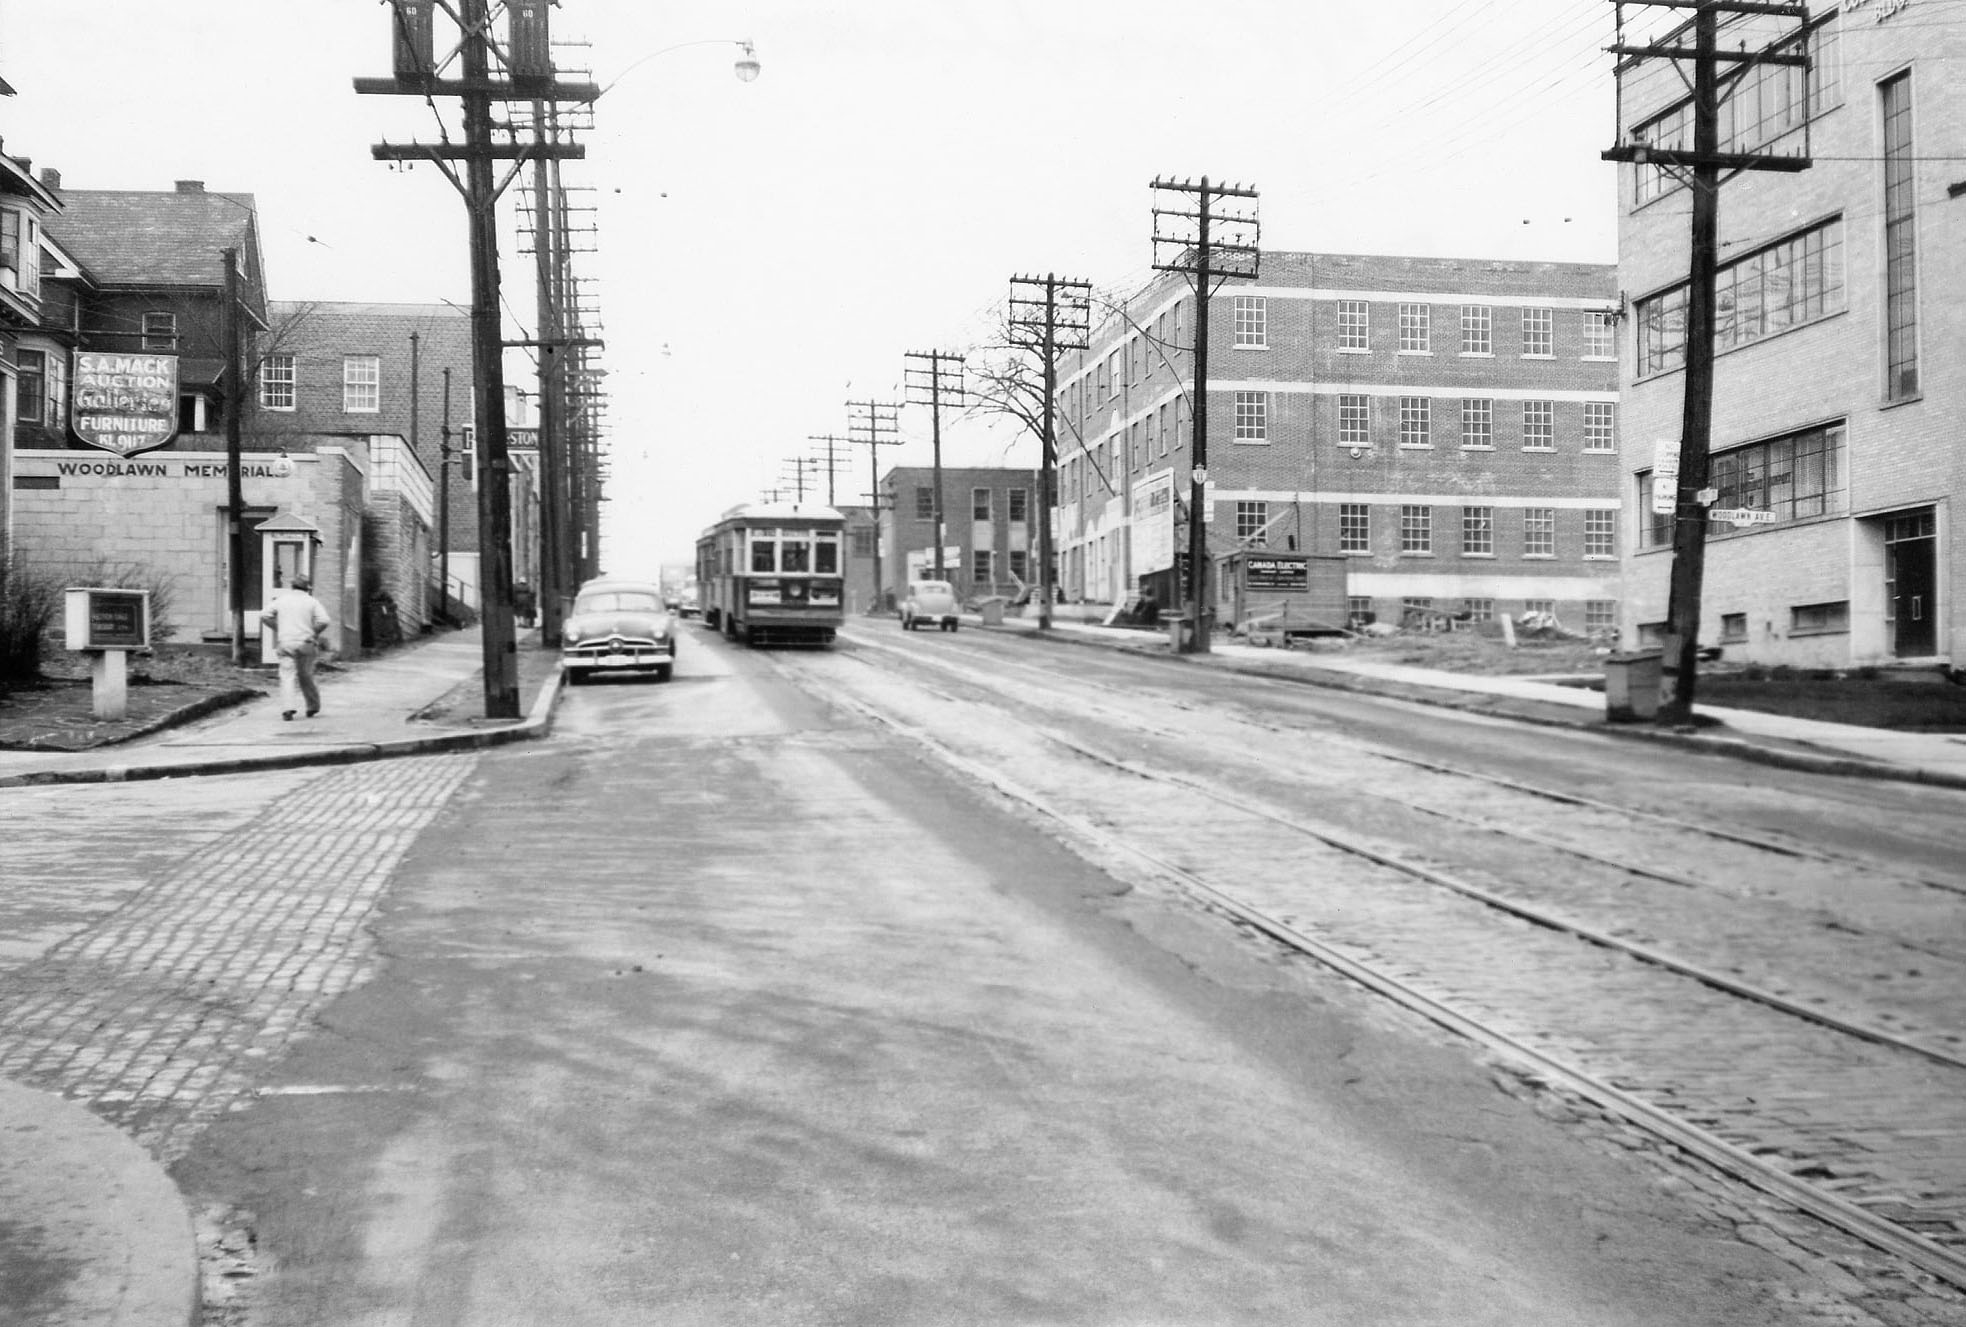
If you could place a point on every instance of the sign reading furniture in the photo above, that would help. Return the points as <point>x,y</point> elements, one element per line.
<point>125,404</point>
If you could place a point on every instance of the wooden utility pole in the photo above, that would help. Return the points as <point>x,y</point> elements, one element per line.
<point>1058,319</point>
<point>928,385</point>
<point>235,502</point>
<point>831,454</point>
<point>876,424</point>
<point>444,504</point>
<point>1192,245</point>
<point>1705,163</point>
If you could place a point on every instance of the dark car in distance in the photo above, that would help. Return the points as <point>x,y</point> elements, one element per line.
<point>618,626</point>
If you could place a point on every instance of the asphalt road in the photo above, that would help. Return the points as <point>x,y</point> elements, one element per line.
<point>725,1007</point>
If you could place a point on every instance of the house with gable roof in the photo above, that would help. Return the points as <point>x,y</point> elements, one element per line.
<point>25,352</point>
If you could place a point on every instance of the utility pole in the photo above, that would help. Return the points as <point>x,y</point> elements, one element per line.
<point>1059,318</point>
<point>1191,245</point>
<point>525,73</point>
<point>799,465</point>
<point>235,502</point>
<point>444,503</point>
<point>1705,161</point>
<point>833,452</point>
<point>928,385</point>
<point>874,425</point>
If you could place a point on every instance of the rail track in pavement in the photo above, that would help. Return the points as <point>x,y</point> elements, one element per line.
<point>1708,1003</point>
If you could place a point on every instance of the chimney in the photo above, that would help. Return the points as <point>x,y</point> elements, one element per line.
<point>50,177</point>
<point>191,186</point>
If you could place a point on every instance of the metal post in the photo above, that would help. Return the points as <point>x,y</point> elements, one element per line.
<point>235,502</point>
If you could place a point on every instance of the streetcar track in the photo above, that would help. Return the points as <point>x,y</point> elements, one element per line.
<point>1285,688</point>
<point>1637,869</point>
<point>1825,1200</point>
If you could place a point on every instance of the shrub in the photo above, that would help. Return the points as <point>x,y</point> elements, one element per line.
<point>29,600</point>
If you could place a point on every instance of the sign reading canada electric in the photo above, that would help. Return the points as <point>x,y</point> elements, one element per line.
<point>125,403</point>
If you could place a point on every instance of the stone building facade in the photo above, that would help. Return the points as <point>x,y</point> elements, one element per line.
<point>1840,367</point>
<point>1449,426</point>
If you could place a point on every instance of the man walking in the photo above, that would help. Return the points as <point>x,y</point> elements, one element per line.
<point>300,627</point>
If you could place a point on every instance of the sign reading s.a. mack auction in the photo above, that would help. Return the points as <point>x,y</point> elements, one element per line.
<point>125,404</point>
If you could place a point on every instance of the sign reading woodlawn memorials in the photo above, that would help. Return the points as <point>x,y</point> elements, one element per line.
<point>125,403</point>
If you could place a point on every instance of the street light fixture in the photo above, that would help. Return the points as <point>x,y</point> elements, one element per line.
<point>747,68</point>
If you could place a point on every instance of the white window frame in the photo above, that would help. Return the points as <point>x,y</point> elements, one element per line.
<point>1416,422</point>
<point>1252,322</point>
<point>1354,326</point>
<point>1354,527</point>
<point>361,384</point>
<point>1477,330</point>
<point>1477,424</point>
<point>1252,417</point>
<point>1416,329</point>
<point>1477,532</point>
<point>1600,334</point>
<point>160,330</point>
<point>1600,533</point>
<point>1354,419</point>
<point>277,392</point>
<point>1416,530</point>
<point>1539,426</point>
<point>1600,426</point>
<point>1539,532</point>
<point>1539,333</point>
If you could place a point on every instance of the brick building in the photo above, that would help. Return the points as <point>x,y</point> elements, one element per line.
<point>1448,425</point>
<point>991,542</point>
<point>1840,367</point>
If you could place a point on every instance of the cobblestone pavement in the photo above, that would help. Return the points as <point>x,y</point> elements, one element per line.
<point>155,1012</point>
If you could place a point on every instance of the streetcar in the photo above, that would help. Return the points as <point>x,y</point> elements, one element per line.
<point>772,573</point>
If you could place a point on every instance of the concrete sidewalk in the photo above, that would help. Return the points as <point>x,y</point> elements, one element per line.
<point>93,1233</point>
<point>369,710</point>
<point>1828,748</point>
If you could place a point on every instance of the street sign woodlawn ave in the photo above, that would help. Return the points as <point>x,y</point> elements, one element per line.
<point>126,404</point>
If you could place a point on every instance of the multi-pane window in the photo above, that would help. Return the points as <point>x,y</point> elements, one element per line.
<point>983,569</point>
<point>1797,476</point>
<point>1539,332</point>
<point>1252,321</point>
<point>1477,329</point>
<point>1165,432</point>
<point>1414,330</point>
<point>1416,421</point>
<point>1020,505</point>
<point>979,504</point>
<point>1538,425</point>
<point>1416,529</point>
<point>1477,422</point>
<point>1020,564</point>
<point>1900,243</point>
<point>1599,337</point>
<point>1600,615</point>
<point>160,331</point>
<point>863,540</point>
<point>1544,606</point>
<point>1354,420</point>
<point>1354,527</point>
<point>1252,416</point>
<point>1601,532</point>
<point>1252,523</point>
<point>1600,421</point>
<point>1790,282</point>
<point>1479,610</point>
<point>276,382</point>
<point>1354,324</point>
<point>361,384</point>
<point>1358,610</point>
<point>924,502</point>
<point>31,392</point>
<point>1539,532</point>
<point>20,249</point>
<point>1477,532</point>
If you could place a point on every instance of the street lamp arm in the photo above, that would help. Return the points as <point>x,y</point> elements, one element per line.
<point>747,65</point>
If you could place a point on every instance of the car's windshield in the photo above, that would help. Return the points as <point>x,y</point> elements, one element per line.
<point>618,601</point>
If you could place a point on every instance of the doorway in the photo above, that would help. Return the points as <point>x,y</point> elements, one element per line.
<point>1911,544</point>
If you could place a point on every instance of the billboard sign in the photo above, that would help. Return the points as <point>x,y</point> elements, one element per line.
<point>124,404</point>
<point>1153,523</point>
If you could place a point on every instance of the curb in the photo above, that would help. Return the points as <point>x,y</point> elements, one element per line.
<point>1497,707</point>
<point>537,723</point>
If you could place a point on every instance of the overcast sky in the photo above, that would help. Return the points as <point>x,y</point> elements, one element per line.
<point>767,250</point>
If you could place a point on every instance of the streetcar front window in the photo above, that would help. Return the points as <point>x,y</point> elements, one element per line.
<point>826,555</point>
<point>795,554</point>
<point>764,554</point>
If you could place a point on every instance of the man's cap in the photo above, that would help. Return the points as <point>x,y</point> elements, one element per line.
<point>302,583</point>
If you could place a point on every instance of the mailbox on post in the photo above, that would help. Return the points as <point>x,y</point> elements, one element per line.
<point>108,623</point>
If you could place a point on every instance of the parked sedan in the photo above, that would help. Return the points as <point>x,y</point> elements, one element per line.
<point>929,603</point>
<point>618,626</point>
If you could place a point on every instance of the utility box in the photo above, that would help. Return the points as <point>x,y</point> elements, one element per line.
<point>1280,596</point>
<point>1633,684</point>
